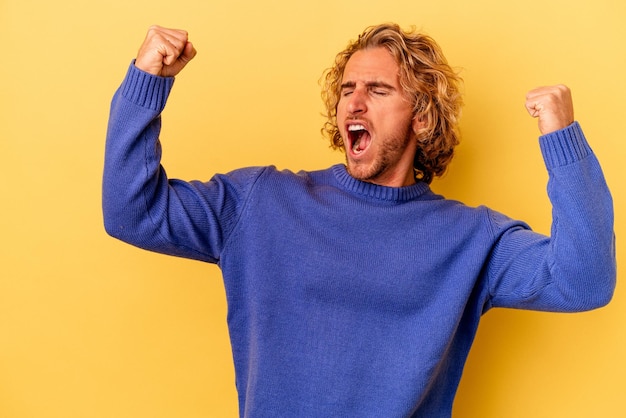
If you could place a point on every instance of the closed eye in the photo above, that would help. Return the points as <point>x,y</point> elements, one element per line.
<point>377,88</point>
<point>347,88</point>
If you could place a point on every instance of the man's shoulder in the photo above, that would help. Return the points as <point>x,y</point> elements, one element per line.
<point>272,176</point>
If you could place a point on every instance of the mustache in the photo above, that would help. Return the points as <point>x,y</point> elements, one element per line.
<point>357,118</point>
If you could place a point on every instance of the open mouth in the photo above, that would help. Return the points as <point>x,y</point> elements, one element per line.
<point>359,138</point>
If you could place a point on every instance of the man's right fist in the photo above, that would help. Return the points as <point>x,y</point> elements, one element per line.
<point>164,52</point>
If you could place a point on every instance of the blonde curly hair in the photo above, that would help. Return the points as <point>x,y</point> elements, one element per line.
<point>427,79</point>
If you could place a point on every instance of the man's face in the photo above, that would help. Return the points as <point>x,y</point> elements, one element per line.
<point>375,120</point>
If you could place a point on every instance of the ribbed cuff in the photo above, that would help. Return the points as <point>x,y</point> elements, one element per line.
<point>565,146</point>
<point>146,90</point>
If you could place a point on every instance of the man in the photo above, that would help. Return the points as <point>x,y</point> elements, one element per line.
<point>355,291</point>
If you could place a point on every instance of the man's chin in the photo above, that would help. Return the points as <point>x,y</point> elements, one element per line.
<point>361,172</point>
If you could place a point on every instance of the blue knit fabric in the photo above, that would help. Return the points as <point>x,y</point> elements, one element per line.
<point>348,299</point>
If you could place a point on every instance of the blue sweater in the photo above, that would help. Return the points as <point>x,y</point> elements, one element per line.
<point>348,299</point>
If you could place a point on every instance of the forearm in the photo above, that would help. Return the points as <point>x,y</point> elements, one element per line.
<point>582,240</point>
<point>134,184</point>
<point>141,205</point>
<point>574,268</point>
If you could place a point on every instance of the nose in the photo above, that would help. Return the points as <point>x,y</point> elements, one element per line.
<point>357,102</point>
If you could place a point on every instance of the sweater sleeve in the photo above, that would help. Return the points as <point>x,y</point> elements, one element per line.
<point>141,206</point>
<point>575,268</point>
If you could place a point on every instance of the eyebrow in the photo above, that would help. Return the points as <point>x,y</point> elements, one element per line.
<point>369,84</point>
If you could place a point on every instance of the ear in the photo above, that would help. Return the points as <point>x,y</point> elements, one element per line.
<point>418,125</point>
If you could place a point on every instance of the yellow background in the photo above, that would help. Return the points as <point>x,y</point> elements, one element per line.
<point>91,327</point>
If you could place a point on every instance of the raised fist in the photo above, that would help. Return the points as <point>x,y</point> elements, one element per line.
<point>553,107</point>
<point>164,52</point>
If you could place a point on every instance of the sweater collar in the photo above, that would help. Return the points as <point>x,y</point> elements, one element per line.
<point>375,191</point>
